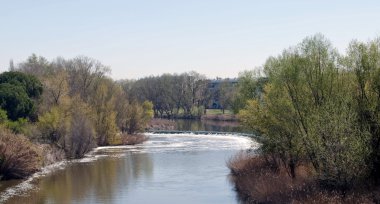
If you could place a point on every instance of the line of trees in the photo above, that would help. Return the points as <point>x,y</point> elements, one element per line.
<point>71,104</point>
<point>322,108</point>
<point>184,95</point>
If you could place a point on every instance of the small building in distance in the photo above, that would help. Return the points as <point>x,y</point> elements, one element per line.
<point>214,87</point>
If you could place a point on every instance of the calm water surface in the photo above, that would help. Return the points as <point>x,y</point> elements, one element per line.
<point>208,125</point>
<point>170,168</point>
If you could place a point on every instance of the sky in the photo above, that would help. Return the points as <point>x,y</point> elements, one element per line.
<point>150,37</point>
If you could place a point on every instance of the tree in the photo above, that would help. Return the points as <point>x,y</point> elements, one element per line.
<point>225,94</point>
<point>138,116</point>
<point>15,101</point>
<point>31,85</point>
<point>363,59</point>
<point>53,125</point>
<point>34,65</point>
<point>56,87</point>
<point>172,95</point>
<point>103,103</point>
<point>81,134</point>
<point>83,72</point>
<point>306,114</point>
<point>250,86</point>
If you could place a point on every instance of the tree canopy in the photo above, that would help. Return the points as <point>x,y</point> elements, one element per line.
<point>18,94</point>
<point>31,85</point>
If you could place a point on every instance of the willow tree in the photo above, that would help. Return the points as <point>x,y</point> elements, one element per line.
<point>306,113</point>
<point>363,59</point>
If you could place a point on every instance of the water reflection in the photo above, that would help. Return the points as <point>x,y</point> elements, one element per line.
<point>208,125</point>
<point>101,180</point>
<point>168,168</point>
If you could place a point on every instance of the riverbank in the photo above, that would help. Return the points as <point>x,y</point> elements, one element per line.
<point>168,168</point>
<point>21,157</point>
<point>262,180</point>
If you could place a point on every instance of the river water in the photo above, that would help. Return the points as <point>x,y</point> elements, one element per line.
<point>168,168</point>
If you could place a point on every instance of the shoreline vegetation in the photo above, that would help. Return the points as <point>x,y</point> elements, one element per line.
<point>317,112</point>
<point>258,179</point>
<point>318,115</point>
<point>64,108</point>
<point>61,110</point>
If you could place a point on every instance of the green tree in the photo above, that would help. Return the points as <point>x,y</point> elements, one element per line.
<point>15,101</point>
<point>29,83</point>
<point>306,114</point>
<point>103,103</point>
<point>138,116</point>
<point>250,86</point>
<point>363,60</point>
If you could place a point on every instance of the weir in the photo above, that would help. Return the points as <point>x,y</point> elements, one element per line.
<point>204,133</point>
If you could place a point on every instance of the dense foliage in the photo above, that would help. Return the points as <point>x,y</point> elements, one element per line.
<point>71,104</point>
<point>29,83</point>
<point>322,108</point>
<point>185,95</point>
<point>18,156</point>
<point>17,94</point>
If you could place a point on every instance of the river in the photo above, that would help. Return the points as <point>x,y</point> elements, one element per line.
<point>168,168</point>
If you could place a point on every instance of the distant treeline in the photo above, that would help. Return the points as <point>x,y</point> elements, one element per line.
<point>188,95</point>
<point>183,95</point>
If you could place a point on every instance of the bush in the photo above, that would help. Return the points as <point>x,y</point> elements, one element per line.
<point>259,179</point>
<point>81,135</point>
<point>19,126</point>
<point>19,157</point>
<point>138,116</point>
<point>52,125</point>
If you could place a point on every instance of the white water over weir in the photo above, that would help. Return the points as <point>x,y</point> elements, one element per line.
<point>169,154</point>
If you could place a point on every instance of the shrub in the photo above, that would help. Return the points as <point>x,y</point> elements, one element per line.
<point>52,125</point>
<point>19,126</point>
<point>81,135</point>
<point>19,157</point>
<point>138,116</point>
<point>259,179</point>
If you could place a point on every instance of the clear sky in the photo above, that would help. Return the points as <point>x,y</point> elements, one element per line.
<point>150,37</point>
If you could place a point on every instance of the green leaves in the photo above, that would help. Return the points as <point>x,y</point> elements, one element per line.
<point>313,110</point>
<point>17,92</point>
<point>31,85</point>
<point>15,101</point>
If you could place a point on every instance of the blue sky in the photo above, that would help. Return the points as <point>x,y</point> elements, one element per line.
<point>151,37</point>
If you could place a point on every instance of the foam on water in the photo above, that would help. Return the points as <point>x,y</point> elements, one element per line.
<point>157,143</point>
<point>27,185</point>
<point>197,142</point>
